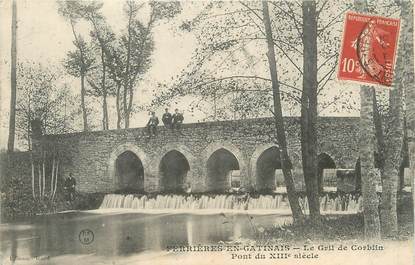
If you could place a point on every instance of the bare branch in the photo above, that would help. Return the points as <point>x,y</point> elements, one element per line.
<point>327,60</point>
<point>322,7</point>
<point>258,26</point>
<point>234,77</point>
<point>250,9</point>
<point>288,57</point>
<point>328,75</point>
<point>331,22</point>
<point>335,100</point>
<point>290,14</point>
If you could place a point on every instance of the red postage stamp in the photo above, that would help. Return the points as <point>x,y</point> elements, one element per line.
<point>368,49</point>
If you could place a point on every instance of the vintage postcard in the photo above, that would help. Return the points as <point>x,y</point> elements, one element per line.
<point>207,132</point>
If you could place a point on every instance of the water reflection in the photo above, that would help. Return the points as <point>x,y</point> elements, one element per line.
<point>189,230</point>
<point>124,234</point>
<point>13,247</point>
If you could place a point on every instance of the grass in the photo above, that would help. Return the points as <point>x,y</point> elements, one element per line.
<point>338,227</point>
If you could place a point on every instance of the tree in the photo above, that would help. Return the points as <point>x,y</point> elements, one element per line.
<point>389,130</point>
<point>224,81</point>
<point>40,97</point>
<point>214,73</point>
<point>136,47</point>
<point>235,34</point>
<point>80,61</point>
<point>393,142</point>
<point>279,122</point>
<point>366,152</point>
<point>100,84</point>
<point>12,119</point>
<point>408,82</point>
<point>78,64</point>
<point>388,118</point>
<point>127,57</point>
<point>309,107</point>
<point>89,60</point>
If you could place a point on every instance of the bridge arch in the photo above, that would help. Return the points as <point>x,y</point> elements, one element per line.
<point>127,157</point>
<point>324,162</point>
<point>263,165</point>
<point>176,166</point>
<point>220,159</point>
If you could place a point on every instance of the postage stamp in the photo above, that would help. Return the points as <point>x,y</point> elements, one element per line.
<point>368,50</point>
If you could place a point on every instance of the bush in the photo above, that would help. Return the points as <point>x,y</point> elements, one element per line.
<point>16,191</point>
<point>87,201</point>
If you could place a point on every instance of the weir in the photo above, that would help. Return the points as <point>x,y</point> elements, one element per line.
<point>340,203</point>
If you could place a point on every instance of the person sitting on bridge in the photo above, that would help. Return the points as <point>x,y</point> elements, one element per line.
<point>152,124</point>
<point>69,187</point>
<point>177,120</point>
<point>167,118</point>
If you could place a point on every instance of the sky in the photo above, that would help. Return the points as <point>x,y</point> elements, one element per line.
<point>44,36</point>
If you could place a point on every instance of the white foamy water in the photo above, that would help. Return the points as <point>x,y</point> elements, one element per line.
<point>346,204</point>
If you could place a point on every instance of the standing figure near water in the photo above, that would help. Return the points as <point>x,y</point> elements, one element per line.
<point>69,187</point>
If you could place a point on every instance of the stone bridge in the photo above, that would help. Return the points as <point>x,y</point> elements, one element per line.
<point>209,156</point>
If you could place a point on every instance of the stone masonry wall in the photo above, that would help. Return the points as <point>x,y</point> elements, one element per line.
<point>91,156</point>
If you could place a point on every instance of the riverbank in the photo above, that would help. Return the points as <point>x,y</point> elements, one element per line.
<point>18,203</point>
<point>19,200</point>
<point>332,228</point>
<point>340,227</point>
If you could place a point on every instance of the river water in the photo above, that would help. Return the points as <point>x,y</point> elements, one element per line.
<point>130,225</point>
<point>123,233</point>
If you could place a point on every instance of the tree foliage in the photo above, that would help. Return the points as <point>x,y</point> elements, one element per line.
<point>126,56</point>
<point>81,60</point>
<point>42,96</point>
<point>230,63</point>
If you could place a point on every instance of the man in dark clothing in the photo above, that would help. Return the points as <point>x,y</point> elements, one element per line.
<point>177,120</point>
<point>152,124</point>
<point>167,118</point>
<point>69,186</point>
